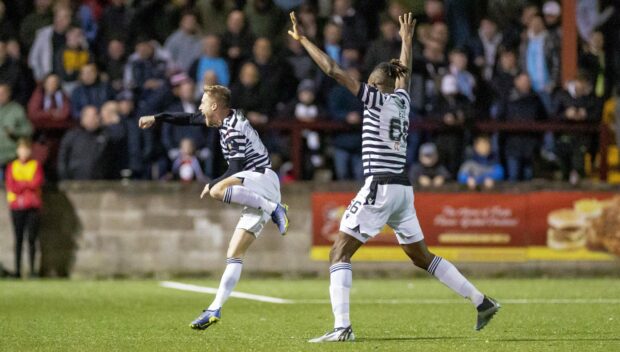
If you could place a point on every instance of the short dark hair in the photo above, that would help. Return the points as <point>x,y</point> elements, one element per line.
<point>393,69</point>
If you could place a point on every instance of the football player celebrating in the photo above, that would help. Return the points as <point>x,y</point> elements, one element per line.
<point>387,195</point>
<point>249,181</point>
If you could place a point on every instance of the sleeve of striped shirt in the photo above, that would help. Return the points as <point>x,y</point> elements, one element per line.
<point>369,96</point>
<point>404,95</point>
<point>235,142</point>
<point>181,118</point>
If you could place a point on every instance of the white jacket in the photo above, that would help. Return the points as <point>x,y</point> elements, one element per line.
<point>40,57</point>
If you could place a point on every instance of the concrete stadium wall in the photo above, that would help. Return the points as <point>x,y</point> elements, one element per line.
<point>137,229</point>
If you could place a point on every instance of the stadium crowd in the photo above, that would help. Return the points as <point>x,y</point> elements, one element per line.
<point>76,75</point>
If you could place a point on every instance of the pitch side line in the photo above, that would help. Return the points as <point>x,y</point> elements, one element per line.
<point>211,290</point>
<point>250,296</point>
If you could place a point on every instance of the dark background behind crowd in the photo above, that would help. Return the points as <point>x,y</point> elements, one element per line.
<point>76,75</point>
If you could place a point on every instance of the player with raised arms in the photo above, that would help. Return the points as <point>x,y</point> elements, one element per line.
<point>387,195</point>
<point>249,181</point>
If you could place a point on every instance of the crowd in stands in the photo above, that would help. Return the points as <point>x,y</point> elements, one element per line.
<point>76,75</point>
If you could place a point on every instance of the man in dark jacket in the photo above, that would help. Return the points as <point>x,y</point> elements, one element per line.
<point>576,104</point>
<point>90,91</point>
<point>522,105</point>
<point>83,148</point>
<point>384,48</point>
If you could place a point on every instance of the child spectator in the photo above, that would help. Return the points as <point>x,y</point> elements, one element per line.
<point>186,166</point>
<point>576,104</point>
<point>24,178</point>
<point>483,168</point>
<point>429,172</point>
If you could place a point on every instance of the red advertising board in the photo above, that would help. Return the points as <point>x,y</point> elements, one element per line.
<point>541,225</point>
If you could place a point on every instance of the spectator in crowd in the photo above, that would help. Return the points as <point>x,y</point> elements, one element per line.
<point>250,95</point>
<point>126,111</point>
<point>576,104</point>
<point>172,135</point>
<point>427,74</point>
<point>71,58</point>
<point>237,40</point>
<point>308,21</point>
<point>384,48</point>
<point>146,72</point>
<point>345,107</point>
<point>552,14</point>
<point>514,32</point>
<point>114,130</point>
<point>49,106</point>
<point>306,109</point>
<point>428,172</point>
<point>264,18</point>
<point>83,149</point>
<point>88,23</point>
<point>354,28</point>
<point>451,109</point>
<point>184,45</point>
<point>115,23</point>
<point>12,73</point>
<point>24,178</point>
<point>465,81</point>
<point>332,41</point>
<point>48,42</point>
<point>483,168</point>
<point>276,74</point>
<point>13,125</point>
<point>592,63</point>
<point>41,17</point>
<point>503,80</point>
<point>522,105</point>
<point>302,65</point>
<point>213,14</point>
<point>186,166</point>
<point>210,60</point>
<point>484,48</point>
<point>89,91</point>
<point>113,64</point>
<point>540,58</point>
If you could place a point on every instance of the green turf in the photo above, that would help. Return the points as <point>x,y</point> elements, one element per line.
<point>141,316</point>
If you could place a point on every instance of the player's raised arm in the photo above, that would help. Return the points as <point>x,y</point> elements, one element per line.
<point>175,118</point>
<point>407,29</point>
<point>325,63</point>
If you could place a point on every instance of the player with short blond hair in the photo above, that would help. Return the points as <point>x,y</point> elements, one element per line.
<point>249,181</point>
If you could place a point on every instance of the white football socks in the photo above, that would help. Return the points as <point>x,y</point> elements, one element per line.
<point>341,278</point>
<point>244,196</point>
<point>451,277</point>
<point>227,284</point>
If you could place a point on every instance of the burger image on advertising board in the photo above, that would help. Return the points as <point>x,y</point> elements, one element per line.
<point>567,230</point>
<point>592,212</point>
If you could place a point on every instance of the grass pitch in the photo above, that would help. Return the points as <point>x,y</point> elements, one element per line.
<point>388,315</point>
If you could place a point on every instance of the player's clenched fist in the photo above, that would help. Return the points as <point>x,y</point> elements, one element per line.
<point>146,121</point>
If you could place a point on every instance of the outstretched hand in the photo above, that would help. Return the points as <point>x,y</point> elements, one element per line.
<point>146,122</point>
<point>407,26</point>
<point>294,31</point>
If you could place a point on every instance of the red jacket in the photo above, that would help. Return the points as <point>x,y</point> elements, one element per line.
<point>23,184</point>
<point>45,119</point>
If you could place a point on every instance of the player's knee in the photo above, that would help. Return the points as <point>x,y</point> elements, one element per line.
<point>217,192</point>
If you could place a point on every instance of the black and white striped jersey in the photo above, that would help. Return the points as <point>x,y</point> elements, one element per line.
<point>239,140</point>
<point>384,130</point>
